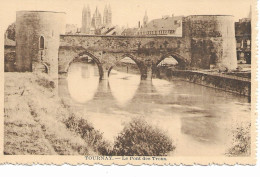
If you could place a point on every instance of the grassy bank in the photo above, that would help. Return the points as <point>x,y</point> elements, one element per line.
<point>36,120</point>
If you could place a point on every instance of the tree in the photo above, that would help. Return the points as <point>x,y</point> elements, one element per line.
<point>11,31</point>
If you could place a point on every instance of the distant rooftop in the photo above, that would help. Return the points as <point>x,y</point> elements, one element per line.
<point>39,11</point>
<point>164,23</point>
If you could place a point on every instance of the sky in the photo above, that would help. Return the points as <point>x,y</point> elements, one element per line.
<point>127,12</point>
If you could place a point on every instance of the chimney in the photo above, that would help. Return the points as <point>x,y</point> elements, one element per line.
<point>139,24</point>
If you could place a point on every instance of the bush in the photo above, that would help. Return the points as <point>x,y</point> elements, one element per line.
<point>44,81</point>
<point>11,31</point>
<point>140,139</point>
<point>241,141</point>
<point>93,137</point>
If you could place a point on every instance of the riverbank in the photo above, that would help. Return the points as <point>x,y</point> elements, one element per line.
<point>37,122</point>
<point>239,83</point>
<point>235,82</point>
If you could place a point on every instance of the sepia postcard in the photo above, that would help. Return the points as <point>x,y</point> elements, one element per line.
<point>159,82</point>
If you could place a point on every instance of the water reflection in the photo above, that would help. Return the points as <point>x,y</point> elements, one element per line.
<point>200,127</point>
<point>163,87</point>
<point>83,81</point>
<point>123,86</point>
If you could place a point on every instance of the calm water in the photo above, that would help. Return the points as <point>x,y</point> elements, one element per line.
<point>197,118</point>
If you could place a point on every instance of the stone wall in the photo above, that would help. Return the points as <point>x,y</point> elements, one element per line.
<point>230,84</point>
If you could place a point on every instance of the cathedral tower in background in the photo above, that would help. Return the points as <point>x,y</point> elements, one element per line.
<point>96,20</point>
<point>89,24</point>
<point>107,19</point>
<point>86,20</point>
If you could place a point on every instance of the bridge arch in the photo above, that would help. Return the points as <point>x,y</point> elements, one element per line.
<point>93,57</point>
<point>139,64</point>
<point>182,62</point>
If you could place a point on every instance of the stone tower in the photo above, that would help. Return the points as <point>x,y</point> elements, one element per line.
<point>86,20</point>
<point>96,20</point>
<point>212,40</point>
<point>145,20</point>
<point>37,41</point>
<point>107,17</point>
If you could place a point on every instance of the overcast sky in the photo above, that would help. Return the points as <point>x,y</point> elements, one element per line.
<point>128,11</point>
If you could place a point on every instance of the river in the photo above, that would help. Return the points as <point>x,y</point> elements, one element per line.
<point>197,118</point>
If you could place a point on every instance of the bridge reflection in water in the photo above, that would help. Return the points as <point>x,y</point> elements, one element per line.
<point>197,118</point>
<point>83,82</point>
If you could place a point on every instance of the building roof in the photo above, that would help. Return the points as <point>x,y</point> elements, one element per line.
<point>9,42</point>
<point>165,23</point>
<point>130,31</point>
<point>243,28</point>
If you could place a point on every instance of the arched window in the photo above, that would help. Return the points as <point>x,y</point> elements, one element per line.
<point>41,42</point>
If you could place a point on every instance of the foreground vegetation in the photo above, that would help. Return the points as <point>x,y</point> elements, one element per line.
<point>141,139</point>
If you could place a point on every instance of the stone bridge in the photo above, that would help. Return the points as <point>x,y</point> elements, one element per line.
<point>107,51</point>
<point>205,41</point>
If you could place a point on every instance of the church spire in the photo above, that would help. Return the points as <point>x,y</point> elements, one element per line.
<point>109,8</point>
<point>96,20</point>
<point>88,9</point>
<point>250,13</point>
<point>105,15</point>
<point>96,11</point>
<point>105,9</point>
<point>145,20</point>
<point>86,19</point>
